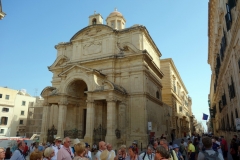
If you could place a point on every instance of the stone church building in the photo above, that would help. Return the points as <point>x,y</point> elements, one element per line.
<point>106,85</point>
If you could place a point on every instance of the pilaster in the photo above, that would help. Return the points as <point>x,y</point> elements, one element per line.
<point>90,122</point>
<point>44,127</point>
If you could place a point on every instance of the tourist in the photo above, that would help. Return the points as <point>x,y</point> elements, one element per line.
<point>134,144</point>
<point>191,151</point>
<point>48,153</point>
<point>18,154</point>
<point>234,149</point>
<point>57,145</point>
<point>65,153</point>
<point>88,153</point>
<point>208,152</point>
<point>148,155</point>
<point>75,141</point>
<point>162,153</point>
<point>175,147</point>
<point>196,145</point>
<point>104,155</point>
<point>94,147</point>
<point>8,154</point>
<point>122,153</point>
<point>32,147</point>
<point>132,151</point>
<point>164,143</point>
<point>80,151</point>
<point>111,151</point>
<point>182,149</point>
<point>2,153</point>
<point>36,155</point>
<point>25,151</point>
<point>155,144</point>
<point>102,146</point>
<point>224,147</point>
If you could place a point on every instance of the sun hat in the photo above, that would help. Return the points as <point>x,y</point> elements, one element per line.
<point>104,155</point>
<point>175,146</point>
<point>75,141</point>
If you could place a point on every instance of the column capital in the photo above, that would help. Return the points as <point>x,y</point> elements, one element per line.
<point>111,99</point>
<point>90,100</point>
<point>63,102</point>
<point>46,104</point>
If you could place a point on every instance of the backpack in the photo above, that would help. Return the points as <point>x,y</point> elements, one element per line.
<point>210,157</point>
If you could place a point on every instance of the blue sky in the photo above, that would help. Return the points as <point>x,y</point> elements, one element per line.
<point>31,28</point>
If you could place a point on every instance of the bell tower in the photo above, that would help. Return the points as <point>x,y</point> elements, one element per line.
<point>96,18</point>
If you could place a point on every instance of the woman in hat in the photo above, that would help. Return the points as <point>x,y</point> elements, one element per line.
<point>175,147</point>
<point>122,154</point>
<point>132,151</point>
<point>80,151</point>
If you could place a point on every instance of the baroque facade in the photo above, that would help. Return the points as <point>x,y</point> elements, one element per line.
<point>13,111</point>
<point>175,94</point>
<point>224,60</point>
<point>106,85</point>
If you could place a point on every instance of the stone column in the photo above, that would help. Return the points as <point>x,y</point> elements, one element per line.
<point>44,127</point>
<point>61,119</point>
<point>111,122</point>
<point>90,122</point>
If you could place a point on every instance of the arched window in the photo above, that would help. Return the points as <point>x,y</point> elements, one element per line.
<point>94,21</point>
<point>157,95</point>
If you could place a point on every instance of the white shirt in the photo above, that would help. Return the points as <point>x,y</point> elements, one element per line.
<point>210,152</point>
<point>110,154</point>
<point>55,148</point>
<point>90,154</point>
<point>97,156</point>
<point>147,156</point>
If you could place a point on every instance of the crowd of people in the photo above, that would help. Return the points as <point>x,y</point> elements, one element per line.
<point>190,148</point>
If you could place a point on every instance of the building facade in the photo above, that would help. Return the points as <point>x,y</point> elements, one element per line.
<point>175,94</point>
<point>106,85</point>
<point>224,60</point>
<point>13,111</point>
<point>2,14</point>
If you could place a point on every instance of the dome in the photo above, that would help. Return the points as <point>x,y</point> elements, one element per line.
<point>115,13</point>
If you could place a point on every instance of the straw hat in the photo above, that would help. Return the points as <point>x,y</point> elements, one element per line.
<point>104,155</point>
<point>75,141</point>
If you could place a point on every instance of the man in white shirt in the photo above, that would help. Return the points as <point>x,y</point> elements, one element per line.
<point>209,152</point>
<point>112,153</point>
<point>147,155</point>
<point>56,147</point>
<point>102,146</point>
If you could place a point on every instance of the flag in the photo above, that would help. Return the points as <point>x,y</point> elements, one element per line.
<point>205,116</point>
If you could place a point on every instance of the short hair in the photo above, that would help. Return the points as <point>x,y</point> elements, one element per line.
<point>80,147</point>
<point>123,146</point>
<point>36,155</point>
<point>150,147</point>
<point>155,142</point>
<point>164,153</point>
<point>164,141</point>
<point>207,142</point>
<point>64,139</point>
<point>48,151</point>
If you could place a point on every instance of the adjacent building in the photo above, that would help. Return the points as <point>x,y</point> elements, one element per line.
<point>13,111</point>
<point>107,85</point>
<point>2,14</point>
<point>175,94</point>
<point>224,61</point>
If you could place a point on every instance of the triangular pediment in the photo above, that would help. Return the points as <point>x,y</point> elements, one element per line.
<point>91,31</point>
<point>59,62</point>
<point>77,69</point>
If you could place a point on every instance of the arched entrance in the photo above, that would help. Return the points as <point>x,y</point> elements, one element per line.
<point>76,109</point>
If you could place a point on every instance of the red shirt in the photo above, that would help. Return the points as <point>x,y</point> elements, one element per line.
<point>224,143</point>
<point>25,149</point>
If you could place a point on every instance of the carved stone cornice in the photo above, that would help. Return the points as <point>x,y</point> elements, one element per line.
<point>45,104</point>
<point>89,100</point>
<point>112,99</point>
<point>63,101</point>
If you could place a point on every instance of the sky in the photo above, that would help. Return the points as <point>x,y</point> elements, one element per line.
<point>32,28</point>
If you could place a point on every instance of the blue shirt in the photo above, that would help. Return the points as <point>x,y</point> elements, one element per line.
<point>17,155</point>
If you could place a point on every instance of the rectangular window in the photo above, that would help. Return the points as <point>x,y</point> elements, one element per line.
<point>23,103</point>
<point>5,110</point>
<point>4,120</point>
<point>22,112</point>
<point>112,24</point>
<point>2,131</point>
<point>7,97</point>
<point>180,109</point>
<point>21,122</point>
<point>0,95</point>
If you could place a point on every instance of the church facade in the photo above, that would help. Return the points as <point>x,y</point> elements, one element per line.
<point>106,85</point>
